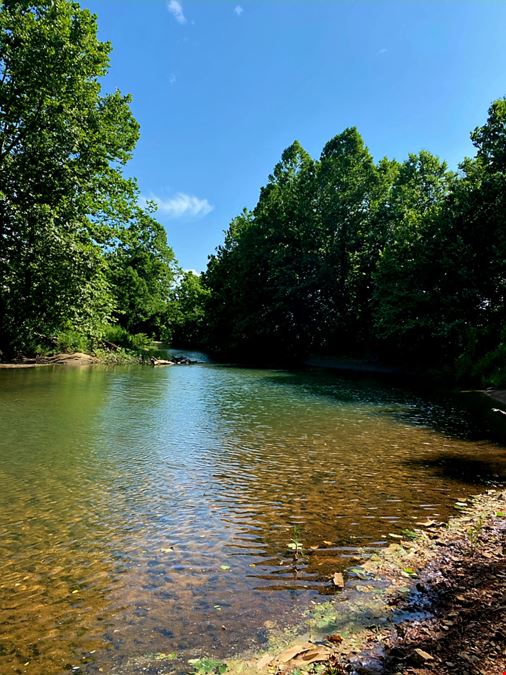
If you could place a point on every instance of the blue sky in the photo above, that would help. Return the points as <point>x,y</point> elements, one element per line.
<point>221,87</point>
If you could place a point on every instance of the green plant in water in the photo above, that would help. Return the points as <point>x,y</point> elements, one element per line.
<point>206,666</point>
<point>295,544</point>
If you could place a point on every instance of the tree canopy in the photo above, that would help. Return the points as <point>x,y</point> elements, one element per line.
<point>405,261</point>
<point>69,218</point>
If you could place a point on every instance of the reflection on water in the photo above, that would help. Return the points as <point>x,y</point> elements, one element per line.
<point>150,510</point>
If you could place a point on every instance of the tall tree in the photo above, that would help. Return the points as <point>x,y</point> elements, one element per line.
<point>141,271</point>
<point>63,197</point>
<point>348,185</point>
<point>186,322</point>
<point>407,297</point>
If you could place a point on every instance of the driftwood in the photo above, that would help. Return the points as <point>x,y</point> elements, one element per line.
<point>160,362</point>
<point>110,345</point>
<point>175,361</point>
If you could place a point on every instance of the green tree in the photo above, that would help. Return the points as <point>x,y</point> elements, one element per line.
<point>261,278</point>
<point>63,198</point>
<point>348,191</point>
<point>407,297</point>
<point>229,287</point>
<point>187,321</point>
<point>474,237</point>
<point>141,275</point>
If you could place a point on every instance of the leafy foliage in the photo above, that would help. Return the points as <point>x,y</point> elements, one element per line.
<point>342,255</point>
<point>186,321</point>
<point>68,217</point>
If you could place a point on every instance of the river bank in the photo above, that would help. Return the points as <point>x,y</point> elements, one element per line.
<point>117,357</point>
<point>431,602</point>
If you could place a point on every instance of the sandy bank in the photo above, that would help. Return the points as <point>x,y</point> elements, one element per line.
<point>75,359</point>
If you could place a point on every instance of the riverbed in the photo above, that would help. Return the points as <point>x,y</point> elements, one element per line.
<point>147,511</point>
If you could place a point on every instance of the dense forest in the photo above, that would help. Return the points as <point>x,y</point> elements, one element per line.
<point>405,262</point>
<point>399,261</point>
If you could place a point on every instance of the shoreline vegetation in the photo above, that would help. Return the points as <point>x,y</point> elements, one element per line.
<point>429,603</point>
<point>104,357</point>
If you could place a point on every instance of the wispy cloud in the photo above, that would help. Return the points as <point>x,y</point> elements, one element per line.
<point>181,205</point>
<point>172,79</point>
<point>382,51</point>
<point>238,10</point>
<point>176,9</point>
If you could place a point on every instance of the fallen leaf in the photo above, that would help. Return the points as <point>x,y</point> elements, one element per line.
<point>410,571</point>
<point>327,543</point>
<point>335,638</point>
<point>338,580</point>
<point>304,654</point>
<point>225,568</point>
<point>315,655</point>
<point>424,655</point>
<point>290,653</point>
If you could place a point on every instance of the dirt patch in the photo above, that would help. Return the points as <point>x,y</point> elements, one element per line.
<point>75,359</point>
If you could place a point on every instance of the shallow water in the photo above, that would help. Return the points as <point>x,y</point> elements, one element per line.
<point>151,510</point>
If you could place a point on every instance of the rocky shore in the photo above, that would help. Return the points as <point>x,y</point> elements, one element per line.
<point>432,602</point>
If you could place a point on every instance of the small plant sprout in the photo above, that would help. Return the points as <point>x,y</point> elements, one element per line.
<point>474,532</point>
<point>295,544</point>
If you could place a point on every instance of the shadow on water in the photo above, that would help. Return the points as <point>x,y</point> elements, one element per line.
<point>466,415</point>
<point>463,469</point>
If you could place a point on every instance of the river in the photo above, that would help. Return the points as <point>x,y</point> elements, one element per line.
<point>151,510</point>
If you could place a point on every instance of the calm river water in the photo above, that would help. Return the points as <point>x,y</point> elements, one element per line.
<point>150,510</point>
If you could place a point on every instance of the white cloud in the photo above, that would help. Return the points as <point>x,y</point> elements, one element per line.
<point>172,79</point>
<point>176,9</point>
<point>383,50</point>
<point>181,205</point>
<point>238,10</point>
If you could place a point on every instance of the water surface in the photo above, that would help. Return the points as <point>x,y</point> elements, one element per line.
<point>150,510</point>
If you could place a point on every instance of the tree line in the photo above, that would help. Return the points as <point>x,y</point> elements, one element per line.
<point>402,261</point>
<point>81,261</point>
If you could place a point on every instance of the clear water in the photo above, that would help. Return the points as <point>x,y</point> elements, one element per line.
<point>147,510</point>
